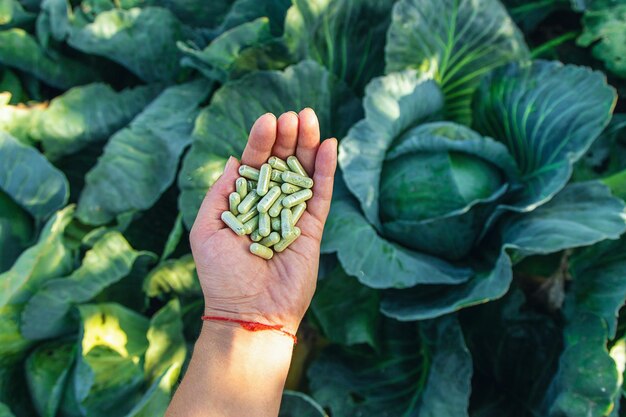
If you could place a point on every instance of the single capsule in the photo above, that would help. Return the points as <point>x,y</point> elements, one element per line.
<point>296,198</point>
<point>289,188</point>
<point>286,222</point>
<point>276,176</point>
<point>261,251</point>
<point>277,163</point>
<point>233,222</point>
<point>248,172</point>
<point>276,224</point>
<point>286,241</point>
<point>271,240</point>
<point>268,200</point>
<point>251,225</point>
<point>249,202</point>
<point>296,179</point>
<point>297,212</point>
<point>296,166</point>
<point>241,185</point>
<point>255,236</point>
<point>233,201</point>
<point>264,179</point>
<point>274,211</point>
<point>247,216</point>
<point>265,225</point>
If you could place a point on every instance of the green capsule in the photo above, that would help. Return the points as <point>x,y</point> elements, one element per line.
<point>251,225</point>
<point>265,225</point>
<point>286,222</point>
<point>275,184</point>
<point>296,198</point>
<point>251,185</point>
<point>289,188</point>
<point>264,179</point>
<point>249,202</point>
<point>276,224</point>
<point>255,236</point>
<point>286,241</point>
<point>276,176</point>
<point>296,166</point>
<point>271,240</point>
<point>241,185</point>
<point>233,201</point>
<point>297,212</point>
<point>247,216</point>
<point>297,179</point>
<point>268,200</point>
<point>274,211</point>
<point>261,251</point>
<point>249,172</point>
<point>233,222</point>
<point>277,163</point>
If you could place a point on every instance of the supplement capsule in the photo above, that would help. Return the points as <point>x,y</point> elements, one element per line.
<point>264,179</point>
<point>296,198</point>
<point>285,242</point>
<point>274,211</point>
<point>271,240</point>
<point>277,163</point>
<point>251,225</point>
<point>265,225</point>
<point>255,236</point>
<point>275,184</point>
<point>275,176</point>
<point>241,185</point>
<point>268,200</point>
<point>296,166</point>
<point>251,185</point>
<point>296,179</point>
<point>233,222</point>
<point>261,251</point>
<point>286,222</point>
<point>249,172</point>
<point>233,201</point>
<point>276,224</point>
<point>249,202</point>
<point>289,188</point>
<point>247,216</point>
<point>297,212</point>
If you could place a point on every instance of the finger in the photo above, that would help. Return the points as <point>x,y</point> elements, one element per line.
<point>260,141</point>
<point>325,165</point>
<point>308,139</point>
<point>286,135</point>
<point>208,220</point>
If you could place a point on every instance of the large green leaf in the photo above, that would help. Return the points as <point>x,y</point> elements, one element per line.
<point>547,114</point>
<point>15,231</point>
<point>142,40</point>
<point>12,14</point>
<point>415,375</point>
<point>140,162</point>
<point>604,27</point>
<point>174,276</point>
<point>49,258</point>
<point>346,311</point>
<point>20,50</point>
<point>222,128</point>
<point>47,369</point>
<point>455,42</point>
<point>166,342</point>
<point>87,114</point>
<point>108,375</point>
<point>18,121</point>
<point>346,36</point>
<point>297,404</point>
<point>12,344</point>
<point>582,214</point>
<point>47,313</point>
<point>29,179</point>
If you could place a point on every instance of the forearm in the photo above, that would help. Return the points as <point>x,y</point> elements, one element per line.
<point>233,373</point>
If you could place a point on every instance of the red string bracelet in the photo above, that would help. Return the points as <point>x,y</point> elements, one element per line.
<point>253,326</point>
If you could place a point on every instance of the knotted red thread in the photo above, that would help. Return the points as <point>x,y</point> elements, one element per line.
<point>254,326</point>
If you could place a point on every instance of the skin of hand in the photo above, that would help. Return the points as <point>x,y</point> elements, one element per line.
<point>234,372</point>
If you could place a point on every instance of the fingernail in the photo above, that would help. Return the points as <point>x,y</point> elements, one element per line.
<point>229,164</point>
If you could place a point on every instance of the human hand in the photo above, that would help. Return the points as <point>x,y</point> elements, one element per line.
<point>238,284</point>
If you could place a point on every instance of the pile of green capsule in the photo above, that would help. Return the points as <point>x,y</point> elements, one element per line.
<point>267,204</point>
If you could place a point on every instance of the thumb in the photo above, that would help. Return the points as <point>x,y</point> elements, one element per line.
<point>208,220</point>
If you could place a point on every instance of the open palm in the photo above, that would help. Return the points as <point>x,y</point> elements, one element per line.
<point>238,284</point>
